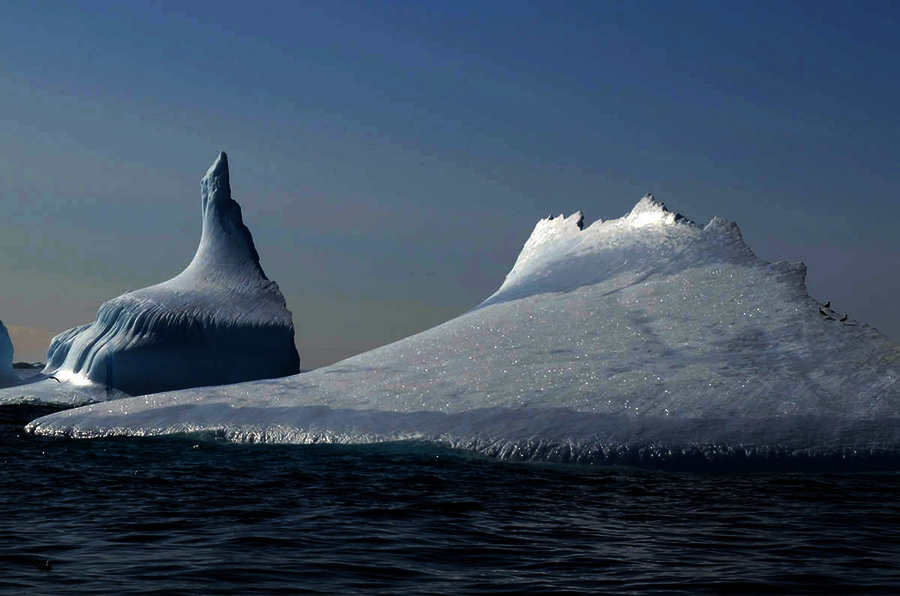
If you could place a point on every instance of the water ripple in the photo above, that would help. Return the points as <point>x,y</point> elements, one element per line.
<point>186,516</point>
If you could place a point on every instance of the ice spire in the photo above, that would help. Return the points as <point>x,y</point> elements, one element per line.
<point>226,247</point>
<point>221,320</point>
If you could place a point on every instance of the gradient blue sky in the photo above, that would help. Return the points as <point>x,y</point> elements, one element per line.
<point>392,158</point>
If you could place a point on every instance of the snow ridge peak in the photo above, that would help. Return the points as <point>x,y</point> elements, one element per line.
<point>649,211</point>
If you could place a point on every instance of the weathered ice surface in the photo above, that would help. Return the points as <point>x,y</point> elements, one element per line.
<point>219,321</point>
<point>645,340</point>
<point>7,375</point>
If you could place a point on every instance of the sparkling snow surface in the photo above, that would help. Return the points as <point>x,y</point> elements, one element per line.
<point>641,339</point>
<point>219,321</point>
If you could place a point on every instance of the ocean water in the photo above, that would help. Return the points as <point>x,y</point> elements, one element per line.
<point>196,515</point>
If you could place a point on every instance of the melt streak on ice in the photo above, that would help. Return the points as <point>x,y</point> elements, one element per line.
<point>221,320</point>
<point>646,340</point>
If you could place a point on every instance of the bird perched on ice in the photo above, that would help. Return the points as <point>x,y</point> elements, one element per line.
<point>842,319</point>
<point>823,312</point>
<point>827,304</point>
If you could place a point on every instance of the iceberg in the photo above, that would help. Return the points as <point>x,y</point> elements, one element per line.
<point>647,340</point>
<point>8,376</point>
<point>219,321</point>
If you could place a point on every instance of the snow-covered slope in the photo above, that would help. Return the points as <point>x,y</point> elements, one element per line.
<point>7,375</point>
<point>645,340</point>
<point>219,321</point>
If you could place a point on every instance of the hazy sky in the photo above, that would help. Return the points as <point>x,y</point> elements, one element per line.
<point>392,158</point>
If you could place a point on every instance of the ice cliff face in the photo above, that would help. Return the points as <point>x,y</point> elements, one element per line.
<point>219,321</point>
<point>8,376</point>
<point>646,340</point>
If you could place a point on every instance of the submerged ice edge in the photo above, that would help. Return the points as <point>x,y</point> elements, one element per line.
<point>693,457</point>
<point>518,435</point>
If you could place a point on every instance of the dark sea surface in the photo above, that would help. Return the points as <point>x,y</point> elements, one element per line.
<point>195,515</point>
